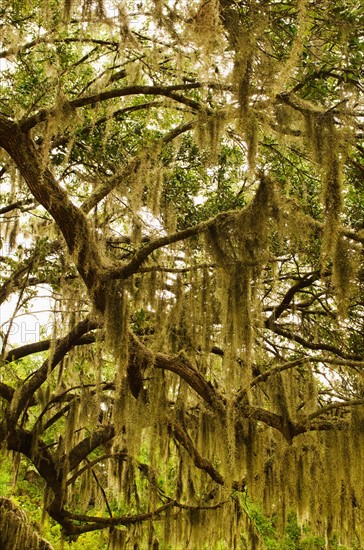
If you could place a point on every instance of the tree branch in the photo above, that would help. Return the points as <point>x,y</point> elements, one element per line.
<point>72,222</point>
<point>15,279</point>
<point>25,393</point>
<point>184,369</point>
<point>43,345</point>
<point>333,407</point>
<point>92,463</point>
<point>33,448</point>
<point>200,462</point>
<point>165,91</point>
<point>277,329</point>
<point>6,392</point>
<point>18,204</point>
<point>71,526</point>
<point>102,192</point>
<point>49,40</point>
<point>87,445</point>
<point>306,281</point>
<point>127,269</point>
<point>278,368</point>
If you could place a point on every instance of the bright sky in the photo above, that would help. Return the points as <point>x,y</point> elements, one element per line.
<point>26,327</point>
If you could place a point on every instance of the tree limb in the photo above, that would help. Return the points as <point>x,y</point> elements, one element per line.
<point>166,91</point>
<point>25,393</point>
<point>42,345</point>
<point>200,462</point>
<point>306,281</point>
<point>72,222</point>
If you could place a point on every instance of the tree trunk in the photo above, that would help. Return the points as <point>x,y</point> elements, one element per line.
<point>15,531</point>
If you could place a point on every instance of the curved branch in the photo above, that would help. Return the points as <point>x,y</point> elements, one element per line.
<point>183,368</point>
<point>276,369</point>
<point>124,271</point>
<point>43,345</point>
<point>285,426</point>
<point>277,329</point>
<point>333,407</point>
<point>200,462</point>
<point>15,205</point>
<point>165,91</point>
<point>94,523</point>
<point>35,449</point>
<point>24,395</point>
<point>306,281</point>
<point>87,445</point>
<point>129,169</point>
<point>92,463</point>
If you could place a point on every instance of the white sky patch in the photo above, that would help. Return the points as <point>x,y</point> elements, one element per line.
<point>27,328</point>
<point>197,201</point>
<point>151,221</point>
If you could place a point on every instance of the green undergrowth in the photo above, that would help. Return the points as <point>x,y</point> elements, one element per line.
<point>26,489</point>
<point>295,537</point>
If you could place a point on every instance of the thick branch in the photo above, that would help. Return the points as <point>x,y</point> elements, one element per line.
<point>306,281</point>
<point>165,91</point>
<point>6,392</point>
<point>284,425</point>
<point>43,345</point>
<point>71,526</point>
<point>71,221</point>
<point>23,396</point>
<point>184,369</point>
<point>87,445</point>
<point>200,462</point>
<point>33,448</point>
<point>102,192</point>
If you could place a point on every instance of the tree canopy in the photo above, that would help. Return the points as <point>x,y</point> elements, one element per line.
<point>185,180</point>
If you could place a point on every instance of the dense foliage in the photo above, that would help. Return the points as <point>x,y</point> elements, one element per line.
<point>184,182</point>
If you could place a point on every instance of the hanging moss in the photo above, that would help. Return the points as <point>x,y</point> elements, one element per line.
<point>252,136</point>
<point>329,150</point>
<point>16,531</point>
<point>185,310</point>
<point>205,27</point>
<point>326,146</point>
<point>288,66</point>
<point>344,273</point>
<point>209,131</point>
<point>116,321</point>
<point>239,244</point>
<point>118,538</point>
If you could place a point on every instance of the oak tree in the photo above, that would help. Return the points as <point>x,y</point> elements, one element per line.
<point>185,179</point>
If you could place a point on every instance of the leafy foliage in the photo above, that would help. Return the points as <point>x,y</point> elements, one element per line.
<point>182,192</point>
